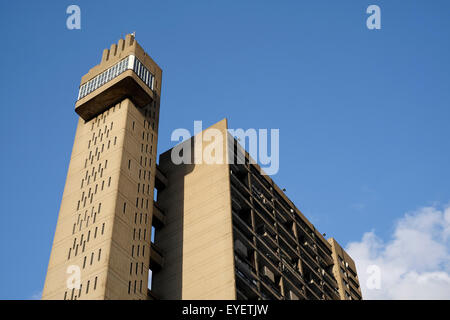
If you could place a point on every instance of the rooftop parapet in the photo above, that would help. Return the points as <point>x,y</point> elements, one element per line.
<point>125,71</point>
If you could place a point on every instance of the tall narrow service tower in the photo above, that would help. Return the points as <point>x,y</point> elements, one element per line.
<point>105,219</point>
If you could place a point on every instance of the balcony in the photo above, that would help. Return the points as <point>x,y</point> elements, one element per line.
<point>309,248</point>
<point>246,268</point>
<point>326,261</point>
<point>161,181</point>
<point>159,218</point>
<point>240,186</point>
<point>288,237</point>
<point>156,258</point>
<point>238,198</point>
<point>246,289</point>
<point>240,170</point>
<point>272,288</point>
<point>329,279</point>
<point>256,176</point>
<point>126,85</point>
<point>269,237</point>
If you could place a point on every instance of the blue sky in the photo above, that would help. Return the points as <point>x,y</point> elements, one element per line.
<point>363,115</point>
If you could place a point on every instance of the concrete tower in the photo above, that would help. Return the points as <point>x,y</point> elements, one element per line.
<point>106,215</point>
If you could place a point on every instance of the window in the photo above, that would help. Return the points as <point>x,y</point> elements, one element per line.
<point>113,72</point>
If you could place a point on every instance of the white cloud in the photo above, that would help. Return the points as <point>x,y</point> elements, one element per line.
<point>413,264</point>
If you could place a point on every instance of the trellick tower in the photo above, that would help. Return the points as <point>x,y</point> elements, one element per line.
<point>106,215</point>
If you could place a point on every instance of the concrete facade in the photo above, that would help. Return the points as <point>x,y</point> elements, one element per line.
<point>232,233</point>
<point>197,238</point>
<point>344,270</point>
<point>105,218</point>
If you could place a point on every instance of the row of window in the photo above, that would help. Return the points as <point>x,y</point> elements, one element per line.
<point>83,242</point>
<point>142,189</point>
<point>146,148</point>
<point>98,152</point>
<point>103,77</point>
<point>139,235</point>
<point>141,215</point>
<point>80,243</point>
<point>91,194</point>
<point>100,135</point>
<point>74,296</point>
<point>136,268</point>
<point>135,287</point>
<point>128,63</point>
<point>92,258</point>
<point>97,120</point>
<point>138,250</point>
<point>143,73</point>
